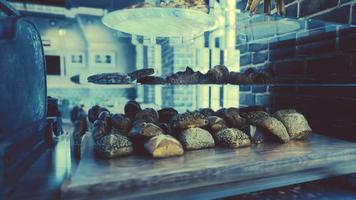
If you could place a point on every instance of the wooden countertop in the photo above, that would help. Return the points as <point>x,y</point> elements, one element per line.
<point>210,173</point>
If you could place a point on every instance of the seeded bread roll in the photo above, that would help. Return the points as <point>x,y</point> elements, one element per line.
<point>109,78</point>
<point>233,118</point>
<point>296,124</point>
<point>189,120</point>
<point>268,124</point>
<point>283,112</point>
<point>275,127</point>
<point>145,131</point>
<point>244,111</point>
<point>216,124</point>
<point>232,138</point>
<point>196,138</point>
<point>113,145</point>
<point>254,116</point>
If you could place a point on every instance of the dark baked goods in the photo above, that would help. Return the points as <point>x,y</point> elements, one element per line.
<point>258,77</point>
<point>207,111</point>
<point>189,120</point>
<point>218,74</point>
<point>121,122</point>
<point>145,120</point>
<point>135,75</point>
<point>166,127</point>
<point>199,5</point>
<point>166,115</point>
<point>296,124</point>
<point>187,77</point>
<point>196,138</point>
<point>151,80</point>
<point>147,115</point>
<point>102,126</point>
<point>162,146</point>
<point>233,118</point>
<point>232,138</point>
<point>268,124</point>
<point>216,124</point>
<point>245,110</point>
<point>254,116</point>
<point>119,132</point>
<point>275,127</point>
<point>109,78</point>
<point>113,145</point>
<point>132,108</point>
<point>239,78</point>
<point>256,135</point>
<point>145,130</point>
<point>94,112</point>
<point>99,130</point>
<point>106,118</point>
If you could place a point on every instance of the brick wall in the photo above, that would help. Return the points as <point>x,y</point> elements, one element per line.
<point>340,11</point>
<point>331,110</point>
<point>312,52</point>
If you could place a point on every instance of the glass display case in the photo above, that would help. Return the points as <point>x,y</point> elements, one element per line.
<point>298,63</point>
<point>300,55</point>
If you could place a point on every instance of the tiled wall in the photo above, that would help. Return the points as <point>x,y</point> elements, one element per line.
<point>340,11</point>
<point>315,53</point>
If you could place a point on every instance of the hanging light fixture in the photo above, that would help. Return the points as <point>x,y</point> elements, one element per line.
<point>169,18</point>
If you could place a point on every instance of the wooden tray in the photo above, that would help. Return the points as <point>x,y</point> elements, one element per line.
<point>211,173</point>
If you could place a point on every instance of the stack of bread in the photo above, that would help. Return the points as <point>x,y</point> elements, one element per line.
<point>219,74</point>
<point>166,133</point>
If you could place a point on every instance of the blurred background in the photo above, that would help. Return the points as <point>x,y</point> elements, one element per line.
<point>312,44</point>
<point>77,45</point>
<point>311,52</point>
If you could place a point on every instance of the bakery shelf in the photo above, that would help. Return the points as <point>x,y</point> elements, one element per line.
<point>210,173</point>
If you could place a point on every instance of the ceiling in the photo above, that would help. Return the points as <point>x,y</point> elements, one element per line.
<point>104,4</point>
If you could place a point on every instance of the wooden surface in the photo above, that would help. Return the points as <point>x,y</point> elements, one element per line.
<point>211,173</point>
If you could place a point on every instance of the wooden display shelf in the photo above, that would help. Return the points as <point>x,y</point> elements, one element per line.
<point>210,173</point>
